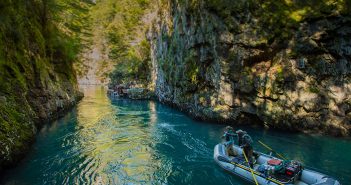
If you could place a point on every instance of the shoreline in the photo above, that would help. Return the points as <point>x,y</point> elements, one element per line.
<point>38,124</point>
<point>244,119</point>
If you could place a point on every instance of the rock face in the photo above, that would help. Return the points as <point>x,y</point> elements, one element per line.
<point>140,94</point>
<point>286,64</point>
<point>37,80</point>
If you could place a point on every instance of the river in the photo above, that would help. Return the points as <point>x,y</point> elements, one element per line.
<point>120,141</point>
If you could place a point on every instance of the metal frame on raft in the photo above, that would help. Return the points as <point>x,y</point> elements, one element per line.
<point>255,172</point>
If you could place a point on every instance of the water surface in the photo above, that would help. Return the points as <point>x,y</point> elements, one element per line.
<point>118,141</point>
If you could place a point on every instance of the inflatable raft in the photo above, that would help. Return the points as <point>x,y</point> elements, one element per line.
<point>263,166</point>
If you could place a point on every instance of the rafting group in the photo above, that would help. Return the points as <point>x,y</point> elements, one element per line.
<point>236,155</point>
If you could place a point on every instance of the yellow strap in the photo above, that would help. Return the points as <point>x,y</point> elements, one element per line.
<point>265,145</point>
<point>250,168</point>
<point>269,148</point>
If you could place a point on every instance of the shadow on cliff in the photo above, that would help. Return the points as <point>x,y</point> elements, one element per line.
<point>297,31</point>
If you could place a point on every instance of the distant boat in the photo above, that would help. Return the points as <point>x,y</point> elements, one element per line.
<point>262,171</point>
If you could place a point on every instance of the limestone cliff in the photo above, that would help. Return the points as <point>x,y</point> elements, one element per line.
<point>284,63</point>
<point>37,81</point>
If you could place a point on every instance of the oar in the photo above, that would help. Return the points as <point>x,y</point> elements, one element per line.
<point>251,170</point>
<point>269,148</point>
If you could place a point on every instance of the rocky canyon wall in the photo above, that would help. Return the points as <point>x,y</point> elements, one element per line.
<point>283,64</point>
<point>37,80</point>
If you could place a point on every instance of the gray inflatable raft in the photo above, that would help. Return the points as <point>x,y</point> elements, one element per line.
<point>237,166</point>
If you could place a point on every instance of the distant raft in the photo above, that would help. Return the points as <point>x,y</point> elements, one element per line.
<point>264,169</point>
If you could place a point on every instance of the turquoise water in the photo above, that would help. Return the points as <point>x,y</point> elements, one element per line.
<point>116,141</point>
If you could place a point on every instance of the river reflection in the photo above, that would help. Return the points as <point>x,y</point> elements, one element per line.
<point>115,140</point>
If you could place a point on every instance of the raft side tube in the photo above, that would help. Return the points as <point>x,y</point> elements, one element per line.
<point>316,178</point>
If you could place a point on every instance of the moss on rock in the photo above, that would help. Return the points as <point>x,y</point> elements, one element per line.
<point>34,72</point>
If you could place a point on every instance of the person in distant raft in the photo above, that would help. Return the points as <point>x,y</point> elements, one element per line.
<point>229,135</point>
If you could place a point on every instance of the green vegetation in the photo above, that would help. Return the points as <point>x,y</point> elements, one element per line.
<point>47,31</point>
<point>39,42</point>
<point>280,16</point>
<point>191,68</point>
<point>135,66</point>
<point>124,31</point>
<point>313,89</point>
